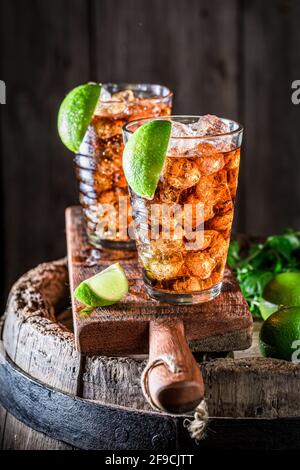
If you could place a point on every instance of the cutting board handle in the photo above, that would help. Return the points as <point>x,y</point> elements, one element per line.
<point>173,379</point>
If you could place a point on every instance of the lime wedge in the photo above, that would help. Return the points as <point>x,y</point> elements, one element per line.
<point>144,156</point>
<point>105,288</point>
<point>266,308</point>
<point>75,114</point>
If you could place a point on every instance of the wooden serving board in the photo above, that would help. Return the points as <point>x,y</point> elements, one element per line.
<point>223,324</point>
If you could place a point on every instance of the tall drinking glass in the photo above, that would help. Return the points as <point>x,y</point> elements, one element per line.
<point>103,189</point>
<point>183,233</point>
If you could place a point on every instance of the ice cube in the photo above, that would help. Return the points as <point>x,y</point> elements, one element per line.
<point>102,182</point>
<point>164,249</point>
<point>209,125</point>
<point>101,106</point>
<point>209,236</point>
<point>201,242</point>
<point>167,194</point>
<point>120,101</point>
<point>168,219</point>
<point>179,143</point>
<point>232,159</point>
<point>105,95</point>
<point>106,166</point>
<point>164,269</point>
<point>210,160</point>
<point>107,197</point>
<point>191,284</point>
<point>200,264</point>
<point>179,129</point>
<point>106,127</point>
<point>116,103</point>
<point>224,203</point>
<point>212,280</point>
<point>219,247</point>
<point>222,221</point>
<point>213,189</point>
<point>181,173</point>
<point>208,208</point>
<point>125,95</point>
<point>232,179</point>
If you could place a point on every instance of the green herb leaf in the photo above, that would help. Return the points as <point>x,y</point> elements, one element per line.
<point>233,253</point>
<point>261,262</point>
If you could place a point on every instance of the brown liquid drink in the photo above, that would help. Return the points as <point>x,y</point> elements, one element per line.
<point>183,233</point>
<point>102,185</point>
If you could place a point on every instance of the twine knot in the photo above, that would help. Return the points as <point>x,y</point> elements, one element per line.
<point>197,425</point>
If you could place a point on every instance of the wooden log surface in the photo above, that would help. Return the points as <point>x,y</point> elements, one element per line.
<point>45,349</point>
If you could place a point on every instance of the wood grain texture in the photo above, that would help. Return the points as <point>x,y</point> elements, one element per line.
<point>18,436</point>
<point>171,42</point>
<point>44,54</point>
<point>123,328</point>
<point>176,386</point>
<point>261,386</point>
<point>14,435</point>
<point>31,336</point>
<point>271,38</point>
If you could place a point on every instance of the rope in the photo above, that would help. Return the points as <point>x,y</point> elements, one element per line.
<point>195,426</point>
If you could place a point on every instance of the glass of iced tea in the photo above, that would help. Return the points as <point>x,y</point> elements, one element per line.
<point>183,232</point>
<point>102,186</point>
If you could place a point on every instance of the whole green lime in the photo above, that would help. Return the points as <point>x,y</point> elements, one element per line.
<point>75,114</point>
<point>279,332</point>
<point>284,289</point>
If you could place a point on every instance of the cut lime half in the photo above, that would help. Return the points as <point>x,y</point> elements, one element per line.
<point>266,308</point>
<point>144,155</point>
<point>75,114</point>
<point>104,288</point>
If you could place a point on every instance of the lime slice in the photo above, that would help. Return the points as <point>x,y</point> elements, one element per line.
<point>284,289</point>
<point>266,308</point>
<point>75,114</point>
<point>105,288</point>
<point>144,156</point>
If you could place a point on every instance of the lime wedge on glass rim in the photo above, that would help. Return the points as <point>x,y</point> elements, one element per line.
<point>144,155</point>
<point>75,114</point>
<point>104,288</point>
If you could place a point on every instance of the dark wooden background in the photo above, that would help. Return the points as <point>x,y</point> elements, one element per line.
<point>235,58</point>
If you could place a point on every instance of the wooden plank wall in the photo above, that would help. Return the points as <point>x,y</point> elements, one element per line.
<point>235,58</point>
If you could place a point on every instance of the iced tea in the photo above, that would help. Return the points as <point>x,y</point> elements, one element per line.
<point>102,185</point>
<point>183,260</point>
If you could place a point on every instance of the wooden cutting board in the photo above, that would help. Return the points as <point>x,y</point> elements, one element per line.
<point>223,324</point>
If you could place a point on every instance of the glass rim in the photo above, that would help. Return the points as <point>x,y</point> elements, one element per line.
<point>187,137</point>
<point>131,86</point>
